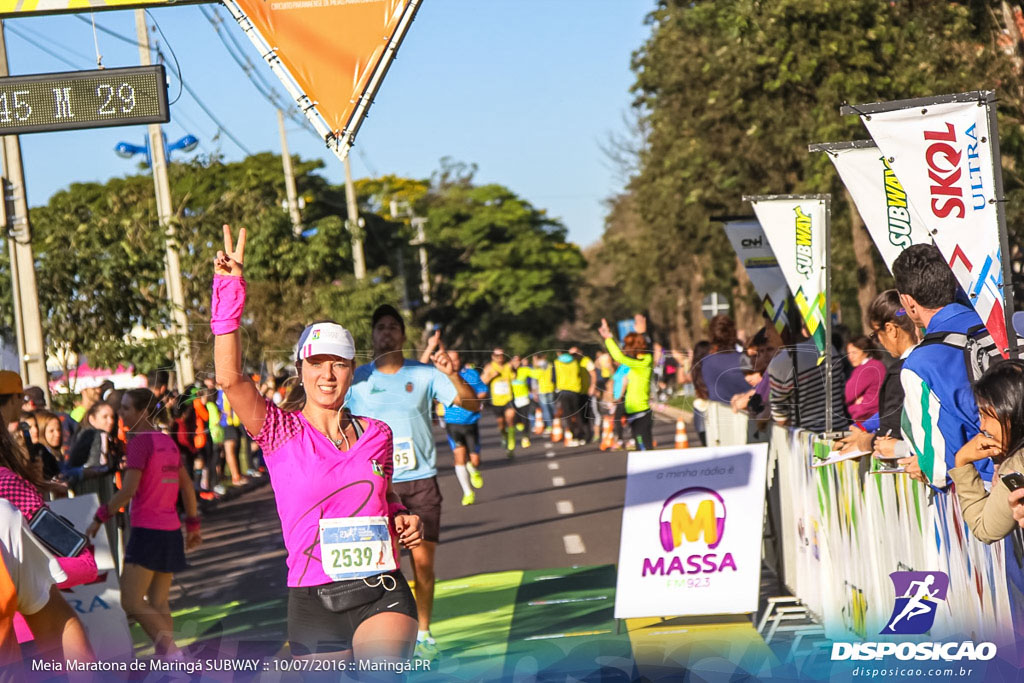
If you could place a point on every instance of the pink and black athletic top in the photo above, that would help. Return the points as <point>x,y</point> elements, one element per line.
<point>313,480</point>
<point>155,503</point>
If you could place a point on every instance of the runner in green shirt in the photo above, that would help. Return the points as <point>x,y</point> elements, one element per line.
<point>640,362</point>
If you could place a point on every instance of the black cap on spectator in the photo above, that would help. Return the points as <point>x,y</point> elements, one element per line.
<point>36,395</point>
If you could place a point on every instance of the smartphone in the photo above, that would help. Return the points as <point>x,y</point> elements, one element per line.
<point>1013,480</point>
<point>56,533</point>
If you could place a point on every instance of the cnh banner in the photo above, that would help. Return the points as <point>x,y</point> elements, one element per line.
<point>336,51</point>
<point>943,155</point>
<point>691,532</point>
<point>754,252</point>
<point>27,8</point>
<point>795,228</point>
<point>888,214</point>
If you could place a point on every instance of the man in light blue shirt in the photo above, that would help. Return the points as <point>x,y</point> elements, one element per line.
<point>400,392</point>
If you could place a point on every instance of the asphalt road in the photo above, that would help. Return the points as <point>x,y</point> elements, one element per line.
<point>549,507</point>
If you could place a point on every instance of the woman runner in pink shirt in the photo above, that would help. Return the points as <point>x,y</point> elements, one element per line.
<point>331,474</point>
<point>153,479</point>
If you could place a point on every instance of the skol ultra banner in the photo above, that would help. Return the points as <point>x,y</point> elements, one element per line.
<point>942,154</point>
<point>24,8</point>
<point>795,228</point>
<point>890,218</point>
<point>756,255</point>
<point>336,50</point>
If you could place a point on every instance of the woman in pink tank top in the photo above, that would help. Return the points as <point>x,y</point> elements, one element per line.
<point>331,472</point>
<point>153,479</point>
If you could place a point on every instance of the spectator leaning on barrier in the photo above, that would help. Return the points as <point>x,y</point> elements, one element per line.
<point>897,334</point>
<point>941,415</point>
<point>1000,397</point>
<point>721,369</point>
<point>865,381</point>
<point>797,384</point>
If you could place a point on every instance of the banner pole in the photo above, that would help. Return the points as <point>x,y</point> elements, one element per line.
<point>1004,239</point>
<point>828,313</point>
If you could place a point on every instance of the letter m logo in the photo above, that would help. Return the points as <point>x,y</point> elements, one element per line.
<point>691,526</point>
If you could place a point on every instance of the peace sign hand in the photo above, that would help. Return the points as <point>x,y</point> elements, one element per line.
<point>229,261</point>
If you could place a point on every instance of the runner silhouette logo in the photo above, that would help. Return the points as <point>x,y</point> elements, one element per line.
<point>917,596</point>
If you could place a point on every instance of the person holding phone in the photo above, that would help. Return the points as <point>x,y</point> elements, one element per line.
<point>1000,397</point>
<point>154,477</point>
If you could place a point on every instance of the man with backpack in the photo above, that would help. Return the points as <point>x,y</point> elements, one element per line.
<point>939,413</point>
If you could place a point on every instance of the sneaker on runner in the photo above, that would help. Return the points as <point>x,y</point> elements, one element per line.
<point>510,453</point>
<point>525,443</point>
<point>426,648</point>
<point>476,479</point>
<point>469,498</point>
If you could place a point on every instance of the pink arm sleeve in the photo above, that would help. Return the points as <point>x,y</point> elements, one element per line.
<point>227,303</point>
<point>81,569</point>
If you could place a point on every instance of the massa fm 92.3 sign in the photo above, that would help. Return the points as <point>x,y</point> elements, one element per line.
<point>83,99</point>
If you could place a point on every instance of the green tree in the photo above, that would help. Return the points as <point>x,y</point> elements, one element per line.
<point>731,93</point>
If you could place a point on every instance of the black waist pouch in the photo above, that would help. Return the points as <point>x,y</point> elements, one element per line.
<point>342,596</point>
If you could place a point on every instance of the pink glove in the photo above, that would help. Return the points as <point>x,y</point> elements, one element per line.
<point>227,303</point>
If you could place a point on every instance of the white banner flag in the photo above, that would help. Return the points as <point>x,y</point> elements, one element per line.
<point>795,228</point>
<point>890,218</point>
<point>942,153</point>
<point>756,255</point>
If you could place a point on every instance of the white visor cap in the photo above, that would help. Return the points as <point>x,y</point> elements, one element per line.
<point>325,339</point>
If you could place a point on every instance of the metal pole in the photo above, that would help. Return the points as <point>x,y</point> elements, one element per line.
<point>289,179</point>
<point>1004,240</point>
<point>828,314</point>
<point>421,241</point>
<point>185,374</point>
<point>353,224</point>
<point>31,346</point>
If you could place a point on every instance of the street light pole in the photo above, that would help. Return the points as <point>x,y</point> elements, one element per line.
<point>185,373</point>
<point>289,179</point>
<point>353,225</point>
<point>31,348</point>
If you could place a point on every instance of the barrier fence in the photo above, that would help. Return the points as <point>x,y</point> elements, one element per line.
<point>842,530</point>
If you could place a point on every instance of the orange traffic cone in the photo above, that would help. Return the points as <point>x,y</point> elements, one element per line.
<point>538,421</point>
<point>607,433</point>
<point>681,439</point>
<point>556,430</point>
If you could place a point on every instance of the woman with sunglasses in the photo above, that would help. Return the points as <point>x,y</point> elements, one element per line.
<point>895,332</point>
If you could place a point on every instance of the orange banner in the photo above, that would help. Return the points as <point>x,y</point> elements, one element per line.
<point>331,47</point>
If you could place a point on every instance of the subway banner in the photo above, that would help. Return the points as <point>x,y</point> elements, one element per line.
<point>27,8</point>
<point>331,55</point>
<point>943,155</point>
<point>691,532</point>
<point>890,218</point>
<point>756,255</point>
<point>795,228</point>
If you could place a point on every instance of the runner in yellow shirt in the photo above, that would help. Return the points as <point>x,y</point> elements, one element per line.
<point>498,376</point>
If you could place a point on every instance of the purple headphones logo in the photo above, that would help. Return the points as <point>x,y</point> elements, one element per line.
<point>683,523</point>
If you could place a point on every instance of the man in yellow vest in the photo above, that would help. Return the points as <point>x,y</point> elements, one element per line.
<point>521,398</point>
<point>498,376</point>
<point>543,374</point>
<point>572,382</point>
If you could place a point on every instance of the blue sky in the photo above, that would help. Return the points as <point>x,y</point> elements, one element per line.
<point>527,89</point>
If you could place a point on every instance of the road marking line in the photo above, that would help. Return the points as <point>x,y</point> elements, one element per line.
<point>552,465</point>
<point>549,454</point>
<point>558,481</point>
<point>565,601</point>
<point>574,546</point>
<point>565,507</point>
<point>549,445</point>
<point>568,635</point>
